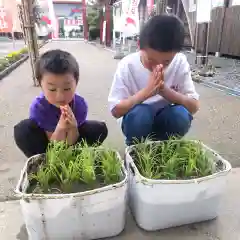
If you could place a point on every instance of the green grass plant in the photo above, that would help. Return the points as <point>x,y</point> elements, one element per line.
<point>110,166</point>
<point>68,169</point>
<point>174,159</point>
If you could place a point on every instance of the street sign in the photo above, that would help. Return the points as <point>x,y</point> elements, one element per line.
<point>73,22</point>
<point>204,8</point>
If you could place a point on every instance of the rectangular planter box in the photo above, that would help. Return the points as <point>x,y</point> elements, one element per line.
<point>160,204</point>
<point>98,213</point>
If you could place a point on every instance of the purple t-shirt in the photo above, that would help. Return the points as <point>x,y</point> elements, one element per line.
<point>47,115</point>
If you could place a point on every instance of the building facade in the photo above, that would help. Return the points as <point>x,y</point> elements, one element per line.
<point>62,18</point>
<point>69,15</point>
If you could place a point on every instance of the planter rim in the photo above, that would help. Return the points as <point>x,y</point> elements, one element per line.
<point>148,181</point>
<point>32,196</point>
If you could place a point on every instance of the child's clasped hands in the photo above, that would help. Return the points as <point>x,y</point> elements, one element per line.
<point>67,119</point>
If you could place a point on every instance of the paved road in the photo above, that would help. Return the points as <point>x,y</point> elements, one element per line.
<point>7,47</point>
<point>217,123</point>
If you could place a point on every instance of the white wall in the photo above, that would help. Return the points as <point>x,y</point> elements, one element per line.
<point>235,2</point>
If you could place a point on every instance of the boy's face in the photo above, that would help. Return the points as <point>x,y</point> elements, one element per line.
<point>59,89</point>
<point>151,58</point>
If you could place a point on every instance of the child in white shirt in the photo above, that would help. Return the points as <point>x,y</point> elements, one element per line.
<point>152,93</point>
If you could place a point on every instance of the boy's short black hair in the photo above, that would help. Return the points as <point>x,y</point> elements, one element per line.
<point>163,33</point>
<point>57,62</point>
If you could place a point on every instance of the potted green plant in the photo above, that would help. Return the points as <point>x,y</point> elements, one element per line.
<point>73,193</point>
<point>174,182</point>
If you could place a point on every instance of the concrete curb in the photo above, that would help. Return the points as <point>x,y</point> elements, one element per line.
<point>222,88</point>
<point>67,40</point>
<point>12,67</point>
<point>99,45</point>
<point>219,87</point>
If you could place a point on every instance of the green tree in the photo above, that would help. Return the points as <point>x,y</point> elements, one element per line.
<point>94,15</point>
<point>93,19</point>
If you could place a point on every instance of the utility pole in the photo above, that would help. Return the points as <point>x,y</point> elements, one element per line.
<point>20,16</point>
<point>226,5</point>
<point>101,25</point>
<point>142,13</point>
<point>31,37</point>
<point>206,43</point>
<point>108,25</point>
<point>161,6</point>
<point>178,8</point>
<point>85,23</point>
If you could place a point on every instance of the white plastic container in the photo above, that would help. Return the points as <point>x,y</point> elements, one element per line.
<point>160,204</point>
<point>98,213</point>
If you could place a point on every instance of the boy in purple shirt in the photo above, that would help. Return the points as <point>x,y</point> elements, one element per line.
<point>58,114</point>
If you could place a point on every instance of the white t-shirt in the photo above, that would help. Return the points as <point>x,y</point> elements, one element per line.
<point>131,77</point>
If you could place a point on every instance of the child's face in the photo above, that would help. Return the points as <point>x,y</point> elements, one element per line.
<point>59,89</point>
<point>151,58</point>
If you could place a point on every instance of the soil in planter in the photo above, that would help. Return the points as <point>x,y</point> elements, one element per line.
<point>55,188</point>
<point>65,169</point>
<point>174,160</point>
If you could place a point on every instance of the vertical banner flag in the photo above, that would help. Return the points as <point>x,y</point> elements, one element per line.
<point>48,18</point>
<point>54,20</point>
<point>6,24</point>
<point>150,4</point>
<point>131,18</point>
<point>204,8</point>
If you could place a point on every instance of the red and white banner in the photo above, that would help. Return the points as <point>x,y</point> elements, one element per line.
<point>53,19</point>
<point>55,33</point>
<point>131,19</point>
<point>6,23</point>
<point>150,4</point>
<point>73,22</point>
<point>49,17</point>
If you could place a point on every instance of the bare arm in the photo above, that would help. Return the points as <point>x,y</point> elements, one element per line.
<point>126,104</point>
<point>58,135</point>
<point>191,104</point>
<point>186,94</point>
<point>72,135</point>
<point>150,90</point>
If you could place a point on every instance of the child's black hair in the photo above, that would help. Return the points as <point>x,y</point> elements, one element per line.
<point>57,62</point>
<point>163,33</point>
